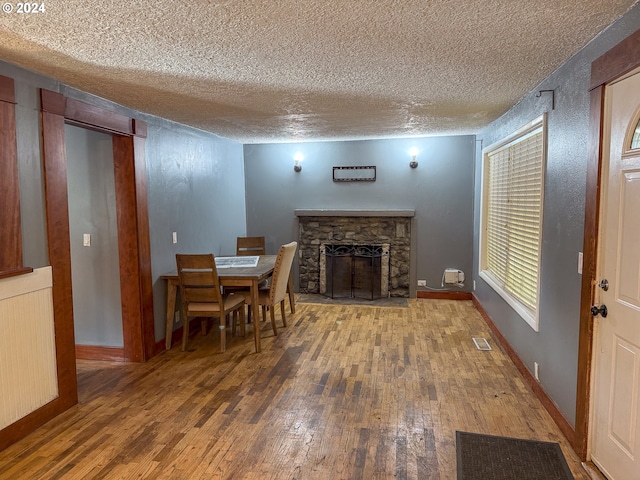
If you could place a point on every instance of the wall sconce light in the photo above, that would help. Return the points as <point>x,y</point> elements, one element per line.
<point>297,165</point>
<point>414,155</point>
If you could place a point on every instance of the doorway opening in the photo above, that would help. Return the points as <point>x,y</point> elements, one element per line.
<point>93,230</point>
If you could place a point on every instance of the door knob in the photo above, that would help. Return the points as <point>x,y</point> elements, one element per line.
<point>601,310</point>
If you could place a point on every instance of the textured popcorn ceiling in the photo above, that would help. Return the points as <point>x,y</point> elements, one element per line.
<point>292,70</point>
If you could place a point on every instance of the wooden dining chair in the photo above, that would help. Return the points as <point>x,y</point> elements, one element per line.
<point>247,246</point>
<point>257,246</point>
<point>276,292</point>
<point>201,296</point>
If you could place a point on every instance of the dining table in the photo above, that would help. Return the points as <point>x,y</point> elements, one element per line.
<point>230,276</point>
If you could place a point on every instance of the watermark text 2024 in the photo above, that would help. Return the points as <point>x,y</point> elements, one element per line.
<point>23,8</point>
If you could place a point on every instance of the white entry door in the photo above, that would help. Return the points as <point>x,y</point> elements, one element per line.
<point>615,440</point>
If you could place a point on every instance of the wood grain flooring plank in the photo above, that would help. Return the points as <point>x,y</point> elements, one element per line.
<point>343,392</point>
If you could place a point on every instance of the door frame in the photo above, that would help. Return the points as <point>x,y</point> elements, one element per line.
<point>128,135</point>
<point>618,61</point>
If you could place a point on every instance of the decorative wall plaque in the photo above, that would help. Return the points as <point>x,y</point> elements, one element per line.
<point>354,174</point>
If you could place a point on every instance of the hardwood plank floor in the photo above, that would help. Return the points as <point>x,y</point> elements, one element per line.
<point>344,392</point>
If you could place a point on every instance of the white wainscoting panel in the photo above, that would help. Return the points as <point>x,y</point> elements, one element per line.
<point>28,375</point>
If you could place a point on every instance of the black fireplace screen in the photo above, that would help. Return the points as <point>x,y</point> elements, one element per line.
<point>354,271</point>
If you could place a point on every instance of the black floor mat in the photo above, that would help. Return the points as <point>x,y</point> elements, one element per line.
<point>487,457</point>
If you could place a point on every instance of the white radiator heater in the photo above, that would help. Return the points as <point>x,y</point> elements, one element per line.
<point>28,375</point>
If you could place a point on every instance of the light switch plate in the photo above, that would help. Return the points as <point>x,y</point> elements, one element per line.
<point>174,237</point>
<point>580,263</point>
<point>86,239</point>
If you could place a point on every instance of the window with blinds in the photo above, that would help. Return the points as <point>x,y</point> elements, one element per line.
<point>512,218</point>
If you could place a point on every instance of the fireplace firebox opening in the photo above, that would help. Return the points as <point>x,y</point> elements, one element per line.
<point>354,271</point>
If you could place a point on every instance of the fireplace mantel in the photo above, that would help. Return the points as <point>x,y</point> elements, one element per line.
<point>354,213</point>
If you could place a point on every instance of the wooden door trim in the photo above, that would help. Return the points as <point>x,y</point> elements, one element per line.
<point>131,203</point>
<point>10,228</point>
<point>613,64</point>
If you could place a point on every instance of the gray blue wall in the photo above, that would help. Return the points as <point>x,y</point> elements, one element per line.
<point>555,346</point>
<point>196,189</point>
<point>195,184</point>
<point>440,190</point>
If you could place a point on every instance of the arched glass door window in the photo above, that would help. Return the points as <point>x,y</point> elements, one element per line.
<point>635,139</point>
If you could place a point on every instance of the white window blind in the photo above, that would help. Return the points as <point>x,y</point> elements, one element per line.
<point>513,176</point>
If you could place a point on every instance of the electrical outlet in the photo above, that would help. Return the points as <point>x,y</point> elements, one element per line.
<point>422,283</point>
<point>176,317</point>
<point>174,237</point>
<point>536,371</point>
<point>474,285</point>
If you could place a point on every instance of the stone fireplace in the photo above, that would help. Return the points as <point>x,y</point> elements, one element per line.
<point>390,230</point>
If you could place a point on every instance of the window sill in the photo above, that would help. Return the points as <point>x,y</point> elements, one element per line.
<point>526,314</point>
